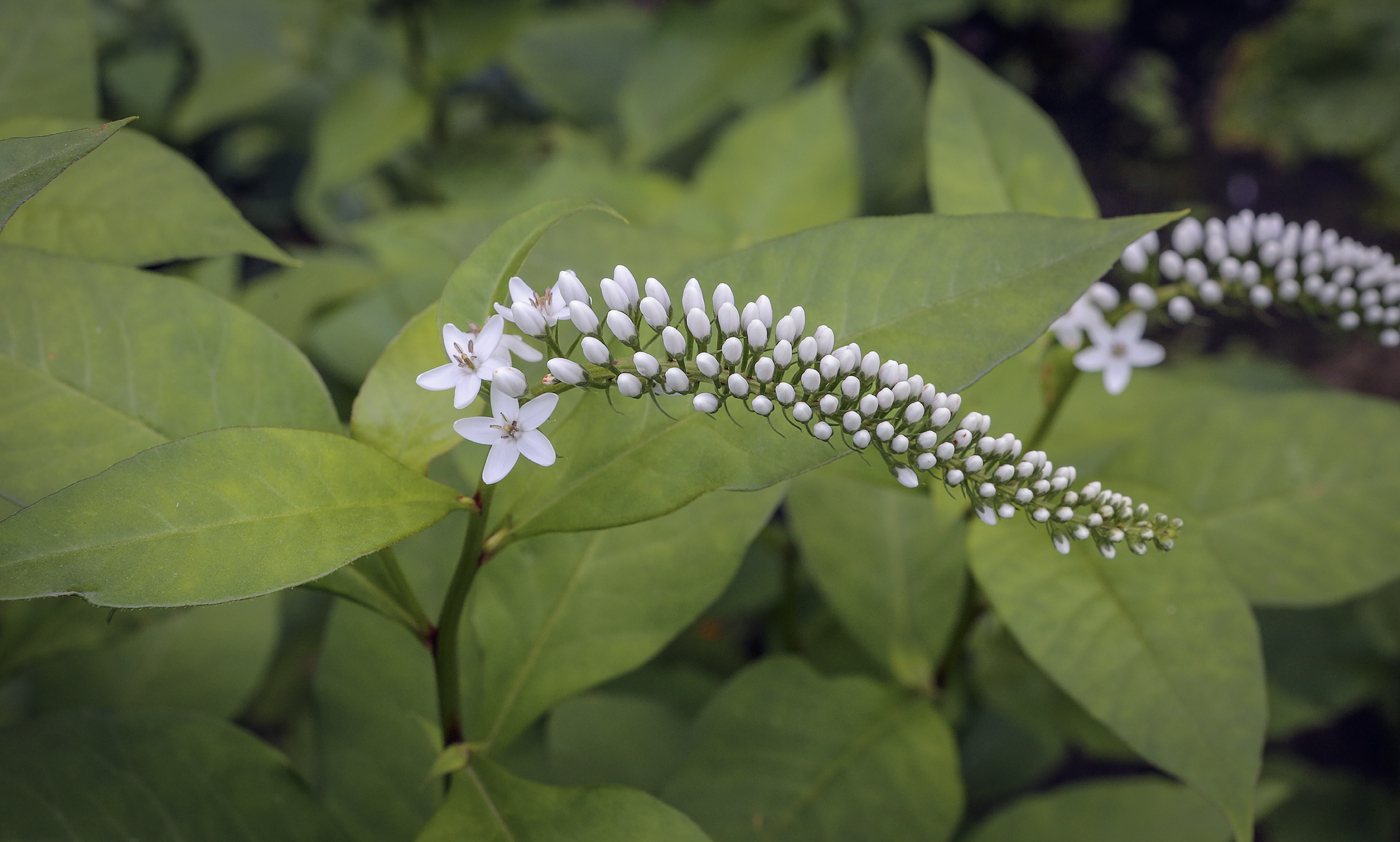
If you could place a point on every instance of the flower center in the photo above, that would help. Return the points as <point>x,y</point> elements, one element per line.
<point>464,358</point>
<point>1118,349</point>
<point>508,427</point>
<point>541,301</point>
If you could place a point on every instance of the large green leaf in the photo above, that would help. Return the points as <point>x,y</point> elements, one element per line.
<point>786,167</point>
<point>887,103</point>
<point>99,362</point>
<point>489,804</point>
<point>562,613</point>
<point>1141,809</point>
<point>615,738</point>
<point>216,516</point>
<point>48,59</point>
<point>782,753</point>
<point>574,61</point>
<point>1163,650</point>
<point>991,149</point>
<point>132,201</point>
<point>890,564</point>
<point>151,775</point>
<point>28,163</point>
<point>950,296</point>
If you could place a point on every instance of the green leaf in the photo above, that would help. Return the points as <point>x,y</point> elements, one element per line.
<point>574,61</point>
<point>48,59</point>
<point>950,296</point>
<point>489,804</point>
<point>615,738</point>
<point>991,149</point>
<point>889,563</point>
<point>35,630</point>
<point>786,167</point>
<point>562,613</point>
<point>397,416</point>
<point>216,516</point>
<point>151,775</point>
<point>289,299</point>
<point>782,753</point>
<point>101,208</point>
<point>1162,650</point>
<point>1141,809</point>
<point>482,277</point>
<point>107,361</point>
<point>375,582</point>
<point>28,163</point>
<point>887,103</point>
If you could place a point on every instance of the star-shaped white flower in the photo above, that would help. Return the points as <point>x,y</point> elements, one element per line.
<point>511,431</point>
<point>474,357</point>
<point>552,305</point>
<point>1117,350</point>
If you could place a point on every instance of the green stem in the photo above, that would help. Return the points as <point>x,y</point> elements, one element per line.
<point>445,658</point>
<point>1059,389</point>
<point>408,599</point>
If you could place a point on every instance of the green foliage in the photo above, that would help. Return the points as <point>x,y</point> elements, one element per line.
<point>48,61</point>
<point>28,163</point>
<point>1152,810</point>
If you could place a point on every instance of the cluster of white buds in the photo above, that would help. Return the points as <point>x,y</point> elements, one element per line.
<point>1258,261</point>
<point>718,352</point>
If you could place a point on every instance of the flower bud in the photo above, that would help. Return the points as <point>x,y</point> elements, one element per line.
<point>850,386</point>
<point>570,288</point>
<point>693,297</point>
<point>801,412</point>
<point>1134,258</point>
<point>828,404</point>
<point>528,319</point>
<point>986,489</point>
<point>851,421</point>
<point>595,351</point>
<point>646,364</point>
<point>583,317</point>
<point>705,402</point>
<point>621,326</point>
<point>884,431</point>
<point>847,358</point>
<point>1211,292</point>
<point>953,477</point>
<point>899,443</point>
<point>799,319</point>
<point>782,353</point>
<point>785,330</point>
<point>761,405</point>
<point>613,295</point>
<point>807,349</point>
<point>1064,513</point>
<point>1187,236</point>
<point>1261,296</point>
<point>1006,510</point>
<point>1104,296</point>
<point>676,380</point>
<point>906,477</point>
<point>861,439</point>
<point>758,335</point>
<point>732,349</point>
<point>1181,309</point>
<point>765,310</point>
<point>829,367</point>
<point>1061,543</point>
<point>698,324</point>
<point>763,369</point>
<point>972,464</point>
<point>939,418</point>
<point>885,398</point>
<point>654,313</point>
<point>928,440</point>
<point>727,318</point>
<point>869,404</point>
<point>870,364</point>
<point>706,362</point>
<point>510,381</point>
<point>1004,473</point>
<point>566,371</point>
<point>961,438</point>
<point>826,340</point>
<point>654,289</point>
<point>987,445</point>
<point>1142,295</point>
<point>722,295</point>
<point>785,394</point>
<point>915,383</point>
<point>913,413</point>
<point>811,380</point>
<point>821,430</point>
<point>629,386</point>
<point>748,313</point>
<point>926,461</point>
<point>953,402</point>
<point>738,386</point>
<point>900,392</point>
<point>674,341</point>
<point>624,279</point>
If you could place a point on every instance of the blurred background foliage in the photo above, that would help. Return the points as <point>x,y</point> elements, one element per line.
<point>380,140</point>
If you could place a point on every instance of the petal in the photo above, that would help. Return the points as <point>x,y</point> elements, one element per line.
<point>440,379</point>
<point>504,406</point>
<point>499,461</point>
<point>1146,353</point>
<point>505,312</point>
<point>1129,329</point>
<point>452,337</point>
<point>1093,358</point>
<point>519,291</point>
<point>537,411</point>
<point>487,368</point>
<point>535,447</point>
<point>517,345</point>
<point>467,388</point>
<point>1116,376</point>
<point>477,429</point>
<point>489,337</point>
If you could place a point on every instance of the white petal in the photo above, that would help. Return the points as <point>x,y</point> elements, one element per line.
<point>467,389</point>
<point>535,447</point>
<point>499,461</point>
<point>440,379</point>
<point>1093,358</point>
<point>1116,376</point>
<point>477,429</point>
<point>505,312</point>
<point>490,336</point>
<point>452,337</point>
<point>1130,327</point>
<point>486,368</point>
<point>504,406</point>
<point>519,291</point>
<point>1146,353</point>
<point>517,345</point>
<point>533,414</point>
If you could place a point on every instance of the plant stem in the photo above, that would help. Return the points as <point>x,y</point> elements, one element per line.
<point>444,644</point>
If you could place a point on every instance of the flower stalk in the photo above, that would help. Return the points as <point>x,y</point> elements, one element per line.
<point>446,640</point>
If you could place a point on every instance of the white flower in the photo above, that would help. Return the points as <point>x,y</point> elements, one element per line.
<point>1117,350</point>
<point>511,431</point>
<point>551,306</point>
<point>475,356</point>
<point>1084,314</point>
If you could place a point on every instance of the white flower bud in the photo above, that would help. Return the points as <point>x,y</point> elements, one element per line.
<point>782,352</point>
<point>528,319</point>
<point>628,385</point>
<point>786,330</point>
<point>928,440</point>
<point>785,394</point>
<point>913,413</point>
<point>1170,265</point>
<point>706,362</point>
<point>674,341</point>
<point>1024,495</point>
<point>732,349</point>
<point>1080,533</point>
<point>811,380</point>
<point>748,314</point>
<point>509,381</point>
<point>693,297</point>
<point>763,370</point>
<point>1061,542</point>
<point>1261,296</point>
<point>869,405</point>
<point>624,279</point>
<point>953,477</point>
<point>799,319</point>
<point>972,464</point>
<point>850,387</point>
<point>654,289</point>
<point>646,364</point>
<point>906,477</point>
<point>1064,513</point>
<point>613,295</point>
<point>987,445</point>
<point>727,318</point>
<point>1195,272</point>
<point>1091,490</point>
<point>953,402</point>
<point>943,452</point>
<point>927,461</point>
<point>1187,236</point>
<point>758,335</point>
<point>1211,293</point>
<point>761,405</point>
<point>801,412</point>
<point>807,349</point>
<point>676,380</point>
<point>1349,320</point>
<point>940,418</point>
<point>901,391</point>
<point>706,402</point>
<point>1040,515</point>
<point>885,398</point>
<point>571,289</point>
<point>986,489</point>
<point>738,386</point>
<point>1134,258</point>
<point>595,351</point>
<point>1108,550</point>
<point>1181,309</point>
<point>722,295</point>
<point>821,430</point>
<point>654,313</point>
<point>621,326</point>
<point>971,421</point>
<point>889,372</point>
<point>583,317</point>
<point>826,340</point>
<point>1004,473</point>
<point>698,324</point>
<point>961,439</point>
<point>915,383</point>
<point>861,439</point>
<point>1104,296</point>
<point>765,311</point>
<point>870,364</point>
<point>566,371</point>
<point>884,431</point>
<point>1249,273</point>
<point>899,443</point>
<point>829,367</point>
<point>1142,296</point>
<point>828,404</point>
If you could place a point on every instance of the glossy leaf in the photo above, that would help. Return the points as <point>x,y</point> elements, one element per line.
<point>991,149</point>
<point>482,277</point>
<point>782,753</point>
<point>216,516</point>
<point>889,562</point>
<point>101,207</point>
<point>950,296</point>
<point>1161,649</point>
<point>100,362</point>
<point>1142,809</point>
<point>489,804</point>
<point>48,59</point>
<point>28,163</point>
<point>151,775</point>
<point>559,614</point>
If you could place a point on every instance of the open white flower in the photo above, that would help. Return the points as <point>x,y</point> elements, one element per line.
<point>1117,350</point>
<point>474,357</point>
<point>1082,316</point>
<point>552,305</point>
<point>511,430</point>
